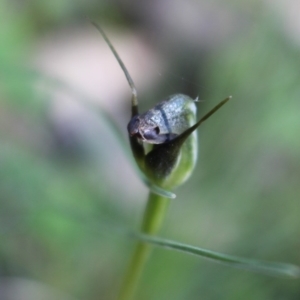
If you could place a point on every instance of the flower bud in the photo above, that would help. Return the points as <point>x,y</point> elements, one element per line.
<point>170,128</point>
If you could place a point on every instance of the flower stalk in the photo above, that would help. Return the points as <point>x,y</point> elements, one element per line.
<point>154,215</point>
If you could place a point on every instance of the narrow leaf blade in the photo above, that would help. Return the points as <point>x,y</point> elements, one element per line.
<point>268,268</point>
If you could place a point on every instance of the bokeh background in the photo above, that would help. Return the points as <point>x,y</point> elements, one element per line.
<point>68,186</point>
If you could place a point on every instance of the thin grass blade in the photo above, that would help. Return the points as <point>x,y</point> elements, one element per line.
<point>264,267</point>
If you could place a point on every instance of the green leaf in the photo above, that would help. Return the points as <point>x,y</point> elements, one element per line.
<point>268,268</point>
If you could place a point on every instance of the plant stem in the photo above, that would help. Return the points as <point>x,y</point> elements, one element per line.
<point>153,217</point>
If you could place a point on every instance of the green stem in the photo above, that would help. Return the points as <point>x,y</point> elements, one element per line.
<point>153,217</point>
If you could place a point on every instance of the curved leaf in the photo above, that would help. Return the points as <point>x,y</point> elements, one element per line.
<point>268,268</point>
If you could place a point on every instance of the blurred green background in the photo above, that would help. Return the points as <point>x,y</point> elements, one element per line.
<point>67,184</point>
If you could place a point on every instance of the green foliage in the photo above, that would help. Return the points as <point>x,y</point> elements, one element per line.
<point>60,213</point>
